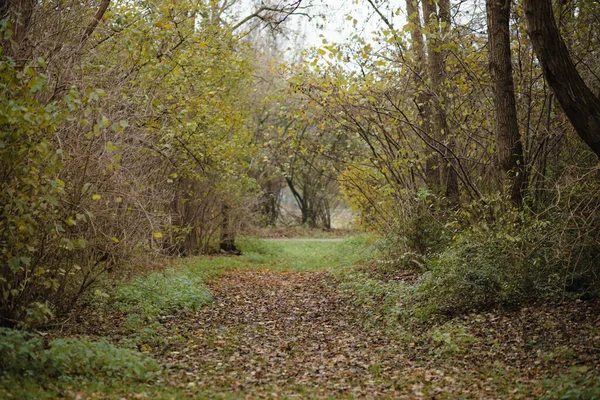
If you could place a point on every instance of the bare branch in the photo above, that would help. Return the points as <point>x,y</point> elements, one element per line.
<point>260,14</point>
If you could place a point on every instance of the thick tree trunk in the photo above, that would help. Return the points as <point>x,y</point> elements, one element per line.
<point>438,76</point>
<point>509,147</point>
<point>576,99</point>
<point>271,202</point>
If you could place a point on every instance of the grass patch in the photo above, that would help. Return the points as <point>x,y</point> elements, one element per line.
<point>162,293</point>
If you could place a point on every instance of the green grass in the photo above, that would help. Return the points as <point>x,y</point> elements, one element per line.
<point>305,255</point>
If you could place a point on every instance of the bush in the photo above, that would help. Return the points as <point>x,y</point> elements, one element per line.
<point>31,225</point>
<point>25,354</point>
<point>479,270</point>
<point>162,293</point>
<point>489,255</point>
<point>420,233</point>
<point>515,259</point>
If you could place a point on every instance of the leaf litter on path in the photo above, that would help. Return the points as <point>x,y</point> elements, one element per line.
<point>283,334</point>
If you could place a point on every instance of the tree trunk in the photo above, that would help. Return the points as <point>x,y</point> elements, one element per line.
<point>423,98</point>
<point>21,13</point>
<point>227,243</point>
<point>580,105</point>
<point>102,7</point>
<point>449,174</point>
<point>438,76</point>
<point>509,147</point>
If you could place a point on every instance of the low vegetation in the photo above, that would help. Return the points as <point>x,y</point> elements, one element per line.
<point>174,341</point>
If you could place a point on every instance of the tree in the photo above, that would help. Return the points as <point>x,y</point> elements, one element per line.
<point>423,99</point>
<point>509,148</point>
<point>579,103</point>
<point>438,22</point>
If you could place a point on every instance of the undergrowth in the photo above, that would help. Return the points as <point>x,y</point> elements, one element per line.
<point>162,293</point>
<point>26,355</point>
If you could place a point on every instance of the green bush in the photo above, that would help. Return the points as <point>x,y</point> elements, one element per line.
<point>25,354</point>
<point>20,351</point>
<point>489,255</point>
<point>515,259</point>
<point>478,271</point>
<point>32,227</point>
<point>162,293</point>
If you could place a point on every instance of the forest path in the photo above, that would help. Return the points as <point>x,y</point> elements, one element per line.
<point>285,334</point>
<point>326,240</point>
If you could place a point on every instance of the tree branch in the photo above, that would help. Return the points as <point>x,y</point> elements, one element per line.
<point>95,21</point>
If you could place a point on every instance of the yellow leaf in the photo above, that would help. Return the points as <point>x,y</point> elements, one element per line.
<point>96,197</point>
<point>157,235</point>
<point>114,239</point>
<point>145,348</point>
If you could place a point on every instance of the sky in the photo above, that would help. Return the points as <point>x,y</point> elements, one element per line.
<point>339,21</point>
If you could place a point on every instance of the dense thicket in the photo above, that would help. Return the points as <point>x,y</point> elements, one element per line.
<point>125,133</point>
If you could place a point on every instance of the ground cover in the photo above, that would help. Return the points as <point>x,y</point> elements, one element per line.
<point>300,232</point>
<point>298,319</point>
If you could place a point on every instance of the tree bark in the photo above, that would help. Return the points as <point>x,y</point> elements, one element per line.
<point>21,13</point>
<point>423,98</point>
<point>449,174</point>
<point>96,20</point>
<point>509,147</point>
<point>437,74</point>
<point>579,103</point>
<point>227,242</point>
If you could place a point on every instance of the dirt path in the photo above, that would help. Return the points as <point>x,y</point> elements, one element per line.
<point>285,334</point>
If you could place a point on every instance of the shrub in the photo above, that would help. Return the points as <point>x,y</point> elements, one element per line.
<point>20,351</point>
<point>25,354</point>
<point>31,225</point>
<point>515,259</point>
<point>420,232</point>
<point>76,357</point>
